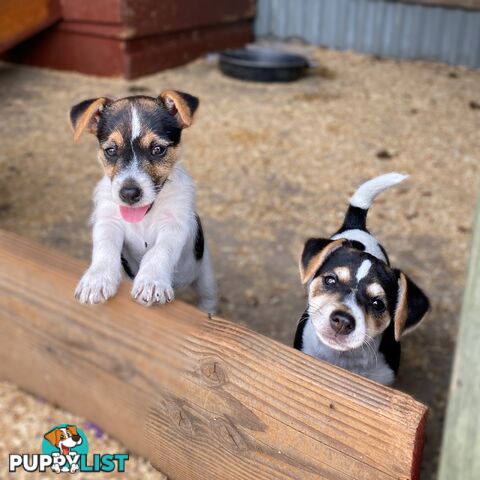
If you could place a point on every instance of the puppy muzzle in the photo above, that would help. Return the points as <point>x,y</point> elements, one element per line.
<point>130,193</point>
<point>342,323</point>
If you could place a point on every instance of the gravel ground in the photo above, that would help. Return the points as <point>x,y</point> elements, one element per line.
<point>274,164</point>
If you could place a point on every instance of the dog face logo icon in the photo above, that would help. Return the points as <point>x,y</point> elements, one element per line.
<point>64,438</point>
<point>66,441</point>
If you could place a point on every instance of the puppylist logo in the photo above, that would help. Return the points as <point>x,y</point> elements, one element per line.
<point>65,450</point>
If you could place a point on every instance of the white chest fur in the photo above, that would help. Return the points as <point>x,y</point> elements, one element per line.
<point>172,212</point>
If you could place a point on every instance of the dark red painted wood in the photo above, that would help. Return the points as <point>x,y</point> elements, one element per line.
<point>153,16</point>
<point>131,38</point>
<point>99,55</point>
<point>90,11</point>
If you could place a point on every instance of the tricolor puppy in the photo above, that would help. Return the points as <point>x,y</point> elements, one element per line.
<point>144,216</point>
<point>358,305</point>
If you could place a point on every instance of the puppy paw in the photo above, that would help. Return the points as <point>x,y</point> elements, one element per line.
<point>147,291</point>
<point>74,468</point>
<point>56,468</point>
<point>97,286</point>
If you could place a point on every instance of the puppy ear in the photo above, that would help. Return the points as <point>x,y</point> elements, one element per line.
<point>181,105</point>
<point>52,436</point>
<point>315,252</point>
<point>85,115</point>
<point>72,429</point>
<point>412,305</point>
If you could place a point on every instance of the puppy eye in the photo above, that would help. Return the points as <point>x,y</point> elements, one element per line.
<point>378,305</point>
<point>159,151</point>
<point>111,151</point>
<point>330,280</point>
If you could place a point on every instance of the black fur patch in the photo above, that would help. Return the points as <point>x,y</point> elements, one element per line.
<point>199,240</point>
<point>127,268</point>
<point>357,245</point>
<point>152,112</point>
<point>417,302</point>
<point>190,100</point>
<point>298,341</point>
<point>390,348</point>
<point>355,218</point>
<point>384,253</point>
<point>312,247</point>
<point>379,272</point>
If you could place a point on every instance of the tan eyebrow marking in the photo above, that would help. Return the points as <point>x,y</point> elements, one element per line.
<point>149,137</point>
<point>343,273</point>
<point>375,290</point>
<point>316,290</point>
<point>116,137</point>
<point>159,171</point>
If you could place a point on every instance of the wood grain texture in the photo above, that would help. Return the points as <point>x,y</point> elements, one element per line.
<point>202,399</point>
<point>460,456</point>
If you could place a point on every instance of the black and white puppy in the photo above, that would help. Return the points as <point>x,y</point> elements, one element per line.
<point>358,306</point>
<point>144,217</point>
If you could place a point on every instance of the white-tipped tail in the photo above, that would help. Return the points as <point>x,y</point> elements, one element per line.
<point>367,192</point>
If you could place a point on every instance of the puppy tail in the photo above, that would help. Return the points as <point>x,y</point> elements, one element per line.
<point>362,199</point>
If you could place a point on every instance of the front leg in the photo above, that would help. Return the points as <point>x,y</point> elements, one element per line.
<point>102,279</point>
<point>154,280</point>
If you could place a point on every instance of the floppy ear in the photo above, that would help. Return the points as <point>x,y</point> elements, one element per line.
<point>52,437</point>
<point>412,305</point>
<point>181,105</point>
<point>85,115</point>
<point>315,252</point>
<point>72,429</point>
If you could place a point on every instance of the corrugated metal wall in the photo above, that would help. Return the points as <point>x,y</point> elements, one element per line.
<point>380,27</point>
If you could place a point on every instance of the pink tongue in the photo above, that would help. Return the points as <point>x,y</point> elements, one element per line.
<point>133,214</point>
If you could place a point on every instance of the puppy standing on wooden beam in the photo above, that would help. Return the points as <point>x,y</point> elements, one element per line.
<point>144,216</point>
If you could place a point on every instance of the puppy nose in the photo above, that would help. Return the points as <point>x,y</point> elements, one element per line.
<point>75,438</point>
<point>130,194</point>
<point>342,322</point>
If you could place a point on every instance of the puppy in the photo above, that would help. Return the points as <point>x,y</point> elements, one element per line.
<point>144,217</point>
<point>64,439</point>
<point>358,305</point>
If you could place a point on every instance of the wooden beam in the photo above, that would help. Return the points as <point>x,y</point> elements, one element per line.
<point>460,458</point>
<point>200,398</point>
